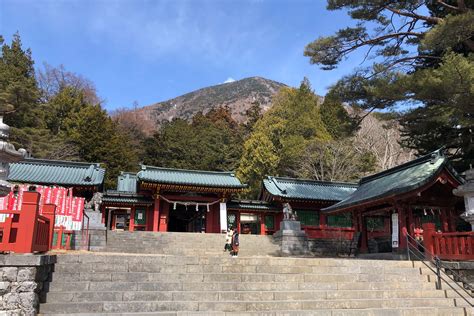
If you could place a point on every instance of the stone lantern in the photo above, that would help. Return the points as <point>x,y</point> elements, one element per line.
<point>467,191</point>
<point>8,154</point>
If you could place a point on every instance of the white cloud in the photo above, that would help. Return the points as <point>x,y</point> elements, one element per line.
<point>229,80</point>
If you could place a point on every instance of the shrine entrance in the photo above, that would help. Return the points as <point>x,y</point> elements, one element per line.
<point>184,218</point>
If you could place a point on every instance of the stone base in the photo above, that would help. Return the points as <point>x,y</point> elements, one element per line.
<point>24,281</point>
<point>97,239</point>
<point>95,219</point>
<point>97,231</point>
<point>465,269</point>
<point>293,242</point>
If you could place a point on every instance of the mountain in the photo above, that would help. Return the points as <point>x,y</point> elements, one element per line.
<point>237,95</point>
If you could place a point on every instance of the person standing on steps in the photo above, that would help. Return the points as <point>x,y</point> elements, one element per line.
<point>235,244</point>
<point>228,239</point>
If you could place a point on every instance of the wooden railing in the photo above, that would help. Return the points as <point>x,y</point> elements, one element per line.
<point>318,232</point>
<point>448,246</point>
<point>62,238</point>
<point>26,231</point>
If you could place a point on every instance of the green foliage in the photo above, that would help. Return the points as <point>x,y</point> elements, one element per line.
<point>448,115</point>
<point>336,119</point>
<point>259,158</point>
<point>282,135</point>
<point>44,144</point>
<point>450,32</point>
<point>97,140</point>
<point>63,105</point>
<point>210,142</point>
<point>428,67</point>
<point>18,87</point>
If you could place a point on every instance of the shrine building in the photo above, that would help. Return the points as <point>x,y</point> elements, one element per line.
<point>176,200</point>
<point>417,192</point>
<point>83,177</point>
<point>307,198</point>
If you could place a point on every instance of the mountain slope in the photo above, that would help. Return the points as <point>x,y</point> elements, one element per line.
<point>237,95</point>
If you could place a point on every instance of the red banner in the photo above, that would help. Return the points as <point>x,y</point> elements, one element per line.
<point>69,209</point>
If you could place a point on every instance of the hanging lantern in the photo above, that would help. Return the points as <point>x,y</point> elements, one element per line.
<point>207,206</point>
<point>197,207</point>
<point>424,211</point>
<point>174,206</point>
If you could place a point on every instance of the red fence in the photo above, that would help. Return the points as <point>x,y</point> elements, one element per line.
<point>317,232</point>
<point>62,238</point>
<point>448,246</point>
<point>27,231</point>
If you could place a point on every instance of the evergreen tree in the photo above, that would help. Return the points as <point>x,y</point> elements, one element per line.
<point>259,158</point>
<point>210,142</point>
<point>18,87</point>
<point>429,67</point>
<point>290,126</point>
<point>98,140</point>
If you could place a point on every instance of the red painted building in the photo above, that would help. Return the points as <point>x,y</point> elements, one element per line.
<point>417,192</point>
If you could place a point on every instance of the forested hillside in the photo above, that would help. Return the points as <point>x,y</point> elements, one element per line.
<point>237,96</point>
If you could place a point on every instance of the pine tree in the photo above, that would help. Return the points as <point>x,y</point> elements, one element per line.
<point>18,87</point>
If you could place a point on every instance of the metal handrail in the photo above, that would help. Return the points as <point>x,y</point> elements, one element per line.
<point>420,255</point>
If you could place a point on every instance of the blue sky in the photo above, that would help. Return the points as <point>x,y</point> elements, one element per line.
<point>149,51</point>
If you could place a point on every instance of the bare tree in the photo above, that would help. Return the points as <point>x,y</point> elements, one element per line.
<point>382,139</point>
<point>332,161</point>
<point>52,79</point>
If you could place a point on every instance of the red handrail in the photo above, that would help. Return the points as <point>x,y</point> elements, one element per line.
<point>449,246</point>
<point>27,231</point>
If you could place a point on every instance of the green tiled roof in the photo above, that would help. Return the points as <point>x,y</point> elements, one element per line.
<point>252,205</point>
<point>127,182</point>
<point>291,188</point>
<point>402,179</point>
<point>116,197</point>
<point>57,172</point>
<point>189,177</point>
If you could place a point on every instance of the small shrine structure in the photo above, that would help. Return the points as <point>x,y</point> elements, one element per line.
<point>407,196</point>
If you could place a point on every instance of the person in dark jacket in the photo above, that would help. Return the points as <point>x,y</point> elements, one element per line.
<point>235,244</point>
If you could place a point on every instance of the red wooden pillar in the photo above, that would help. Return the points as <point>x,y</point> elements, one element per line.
<point>363,229</point>
<point>262,224</point>
<point>156,214</point>
<point>164,217</point>
<point>428,240</point>
<point>49,211</point>
<point>131,226</point>
<point>402,226</point>
<point>444,220</point>
<point>411,222</point>
<point>452,219</point>
<point>103,210</point>
<point>209,220</point>
<point>27,222</point>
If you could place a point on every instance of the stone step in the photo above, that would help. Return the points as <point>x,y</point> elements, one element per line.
<point>76,268</point>
<point>94,296</point>
<point>234,306</point>
<point>68,286</point>
<point>252,277</point>
<point>439,311</point>
<point>226,260</point>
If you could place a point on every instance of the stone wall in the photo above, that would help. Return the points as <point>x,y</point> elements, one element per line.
<point>465,269</point>
<point>23,279</point>
<point>329,246</point>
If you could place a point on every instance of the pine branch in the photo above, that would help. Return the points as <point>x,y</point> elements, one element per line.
<point>444,4</point>
<point>430,19</point>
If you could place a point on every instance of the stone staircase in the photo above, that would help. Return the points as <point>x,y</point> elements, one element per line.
<point>154,284</point>
<point>187,244</point>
